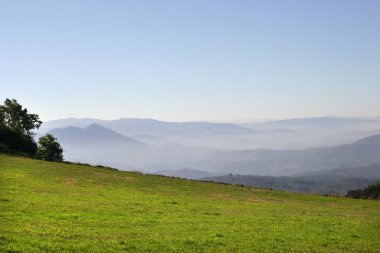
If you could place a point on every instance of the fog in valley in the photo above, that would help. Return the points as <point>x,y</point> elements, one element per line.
<point>195,150</point>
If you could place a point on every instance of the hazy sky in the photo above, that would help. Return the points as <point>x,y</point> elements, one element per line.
<point>191,60</point>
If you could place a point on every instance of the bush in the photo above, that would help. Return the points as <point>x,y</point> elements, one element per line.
<point>49,149</point>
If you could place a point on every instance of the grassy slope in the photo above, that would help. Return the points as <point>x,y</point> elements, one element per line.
<point>61,207</point>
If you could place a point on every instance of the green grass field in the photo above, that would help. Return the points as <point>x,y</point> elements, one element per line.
<point>47,207</point>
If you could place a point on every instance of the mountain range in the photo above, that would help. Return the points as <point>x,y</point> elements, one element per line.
<point>312,122</point>
<point>132,126</point>
<point>202,149</point>
<point>96,144</point>
<point>285,134</point>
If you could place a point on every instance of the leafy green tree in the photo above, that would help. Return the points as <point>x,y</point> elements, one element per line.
<point>14,116</point>
<point>49,149</point>
<point>14,142</point>
<point>16,126</point>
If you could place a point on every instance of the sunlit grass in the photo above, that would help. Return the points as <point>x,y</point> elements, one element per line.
<point>65,207</point>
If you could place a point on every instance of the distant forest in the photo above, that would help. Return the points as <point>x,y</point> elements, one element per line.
<point>332,182</point>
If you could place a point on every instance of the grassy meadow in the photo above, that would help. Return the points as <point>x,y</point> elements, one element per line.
<point>58,207</point>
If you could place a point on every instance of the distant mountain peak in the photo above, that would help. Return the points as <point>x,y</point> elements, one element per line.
<point>96,126</point>
<point>94,133</point>
<point>70,128</point>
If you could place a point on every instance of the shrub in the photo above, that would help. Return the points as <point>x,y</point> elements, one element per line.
<point>49,149</point>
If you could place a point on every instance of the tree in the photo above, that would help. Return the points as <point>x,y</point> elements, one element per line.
<point>14,116</point>
<point>49,149</point>
<point>16,126</point>
<point>12,141</point>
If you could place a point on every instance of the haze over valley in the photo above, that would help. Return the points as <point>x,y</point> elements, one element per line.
<point>293,147</point>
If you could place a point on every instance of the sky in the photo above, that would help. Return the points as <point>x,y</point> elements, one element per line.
<point>191,60</point>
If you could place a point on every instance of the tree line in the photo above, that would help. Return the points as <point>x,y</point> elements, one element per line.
<point>370,192</point>
<point>17,127</point>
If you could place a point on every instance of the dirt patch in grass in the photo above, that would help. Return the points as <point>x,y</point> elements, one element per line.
<point>70,181</point>
<point>43,190</point>
<point>254,199</point>
<point>224,196</point>
<point>125,178</point>
<point>109,175</point>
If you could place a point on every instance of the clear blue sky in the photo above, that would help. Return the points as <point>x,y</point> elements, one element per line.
<point>191,60</point>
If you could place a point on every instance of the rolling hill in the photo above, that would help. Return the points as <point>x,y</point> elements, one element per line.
<point>60,207</point>
<point>362,153</point>
<point>92,135</point>
<point>96,144</point>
